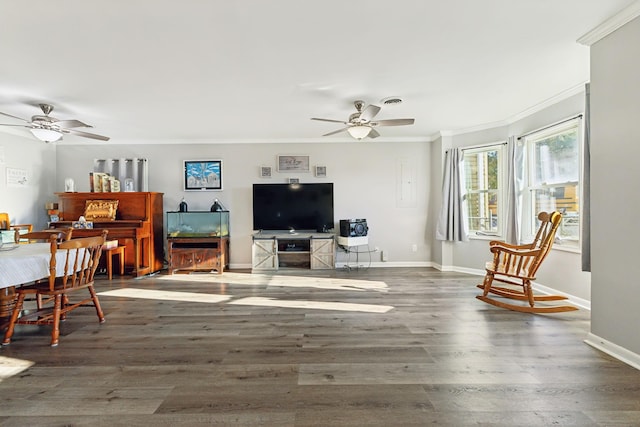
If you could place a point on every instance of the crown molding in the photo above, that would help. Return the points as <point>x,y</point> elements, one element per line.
<point>621,18</point>
<point>516,117</point>
<point>476,128</point>
<point>577,89</point>
<point>213,141</point>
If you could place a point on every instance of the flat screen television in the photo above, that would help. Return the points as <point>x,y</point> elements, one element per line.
<point>293,207</point>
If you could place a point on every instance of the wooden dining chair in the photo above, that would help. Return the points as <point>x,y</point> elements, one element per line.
<point>515,266</point>
<point>5,224</point>
<point>61,234</point>
<point>72,268</point>
<point>43,235</point>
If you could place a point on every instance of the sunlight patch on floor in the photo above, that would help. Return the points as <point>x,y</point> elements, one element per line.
<point>10,366</point>
<point>256,301</point>
<point>253,279</point>
<point>166,295</point>
<point>316,305</point>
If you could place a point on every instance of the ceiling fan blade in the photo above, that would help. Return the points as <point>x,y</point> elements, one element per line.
<point>373,134</point>
<point>86,134</point>
<point>393,122</point>
<point>14,117</point>
<point>72,124</point>
<point>329,120</point>
<point>20,126</point>
<point>369,112</point>
<point>336,131</point>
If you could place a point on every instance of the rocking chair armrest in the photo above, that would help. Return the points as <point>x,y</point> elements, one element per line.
<point>497,243</point>
<point>496,250</point>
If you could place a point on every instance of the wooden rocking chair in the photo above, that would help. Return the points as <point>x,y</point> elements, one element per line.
<point>516,266</point>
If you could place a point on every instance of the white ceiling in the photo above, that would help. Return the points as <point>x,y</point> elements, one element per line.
<point>258,70</point>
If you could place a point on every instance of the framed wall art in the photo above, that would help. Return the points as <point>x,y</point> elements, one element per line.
<point>202,175</point>
<point>265,171</point>
<point>293,163</point>
<point>321,171</point>
<point>16,177</point>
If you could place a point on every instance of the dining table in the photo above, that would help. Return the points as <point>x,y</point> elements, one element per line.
<point>25,263</point>
<point>22,264</point>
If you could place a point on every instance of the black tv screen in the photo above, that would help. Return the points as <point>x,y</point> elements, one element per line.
<point>293,207</point>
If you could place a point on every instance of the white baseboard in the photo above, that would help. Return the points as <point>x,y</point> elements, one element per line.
<point>614,350</point>
<point>361,264</point>
<point>384,264</point>
<point>473,271</point>
<point>580,302</point>
<point>240,266</point>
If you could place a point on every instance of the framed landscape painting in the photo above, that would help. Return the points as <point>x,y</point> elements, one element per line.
<point>202,175</point>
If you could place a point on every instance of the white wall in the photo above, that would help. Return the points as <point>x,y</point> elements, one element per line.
<point>615,174</point>
<point>25,204</point>
<point>366,177</point>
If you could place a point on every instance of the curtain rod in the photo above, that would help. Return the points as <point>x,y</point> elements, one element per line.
<point>473,147</point>
<point>578,116</point>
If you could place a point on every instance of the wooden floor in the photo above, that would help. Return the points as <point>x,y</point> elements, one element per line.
<point>368,347</point>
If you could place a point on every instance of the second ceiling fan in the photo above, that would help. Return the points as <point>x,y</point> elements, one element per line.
<point>361,125</point>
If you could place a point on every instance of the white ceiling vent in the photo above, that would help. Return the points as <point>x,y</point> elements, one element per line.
<point>391,100</point>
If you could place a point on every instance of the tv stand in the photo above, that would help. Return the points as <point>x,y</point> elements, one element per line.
<point>272,251</point>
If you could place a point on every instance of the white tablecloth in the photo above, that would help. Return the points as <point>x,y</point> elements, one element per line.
<point>25,263</point>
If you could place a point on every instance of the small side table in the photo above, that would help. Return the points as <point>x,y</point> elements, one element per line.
<point>353,242</point>
<point>109,253</point>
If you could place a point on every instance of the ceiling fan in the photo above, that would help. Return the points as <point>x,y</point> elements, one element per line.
<point>49,129</point>
<point>360,124</point>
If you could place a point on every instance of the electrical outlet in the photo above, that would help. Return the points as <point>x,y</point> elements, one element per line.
<point>414,247</point>
<point>385,255</point>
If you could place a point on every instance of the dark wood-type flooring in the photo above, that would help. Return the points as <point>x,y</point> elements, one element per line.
<point>437,357</point>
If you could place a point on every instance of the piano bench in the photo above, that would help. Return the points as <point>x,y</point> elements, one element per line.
<point>109,253</point>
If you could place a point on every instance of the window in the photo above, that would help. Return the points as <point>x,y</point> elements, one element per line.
<point>553,163</point>
<point>483,181</point>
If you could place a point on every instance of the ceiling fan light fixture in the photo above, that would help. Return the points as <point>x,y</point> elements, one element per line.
<point>359,132</point>
<point>46,135</point>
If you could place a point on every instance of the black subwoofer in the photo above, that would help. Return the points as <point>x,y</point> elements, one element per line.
<point>353,227</point>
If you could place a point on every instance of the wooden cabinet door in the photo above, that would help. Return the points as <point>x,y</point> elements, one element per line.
<point>322,254</point>
<point>264,254</point>
<point>182,259</point>
<point>206,259</point>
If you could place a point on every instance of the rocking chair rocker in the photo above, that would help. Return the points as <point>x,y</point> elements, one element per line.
<point>516,266</point>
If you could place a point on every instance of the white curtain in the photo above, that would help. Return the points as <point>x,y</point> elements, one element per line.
<point>515,189</point>
<point>452,223</point>
<point>585,237</point>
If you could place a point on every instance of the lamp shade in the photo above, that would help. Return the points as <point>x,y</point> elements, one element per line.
<point>46,135</point>
<point>359,132</point>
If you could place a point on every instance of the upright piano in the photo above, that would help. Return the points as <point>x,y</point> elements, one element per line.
<point>138,225</point>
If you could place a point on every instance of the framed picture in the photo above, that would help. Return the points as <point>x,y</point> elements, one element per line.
<point>321,171</point>
<point>202,175</point>
<point>293,163</point>
<point>265,171</point>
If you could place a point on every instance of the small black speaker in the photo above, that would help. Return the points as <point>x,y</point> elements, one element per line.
<point>353,227</point>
